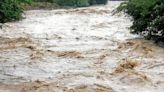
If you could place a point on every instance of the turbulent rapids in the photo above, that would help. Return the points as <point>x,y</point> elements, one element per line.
<point>78,50</point>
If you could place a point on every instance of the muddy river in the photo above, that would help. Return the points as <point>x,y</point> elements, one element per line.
<point>78,50</point>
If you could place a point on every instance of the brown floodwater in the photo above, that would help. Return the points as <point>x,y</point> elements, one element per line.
<point>78,50</point>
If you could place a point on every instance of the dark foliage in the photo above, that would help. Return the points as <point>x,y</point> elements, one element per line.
<point>11,10</point>
<point>148,17</point>
<point>80,3</point>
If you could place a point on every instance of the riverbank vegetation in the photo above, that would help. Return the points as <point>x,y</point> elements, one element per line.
<point>11,10</point>
<point>75,3</point>
<point>148,17</point>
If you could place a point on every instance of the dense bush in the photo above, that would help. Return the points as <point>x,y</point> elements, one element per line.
<point>148,17</point>
<point>92,2</point>
<point>72,2</point>
<point>80,3</point>
<point>41,4</point>
<point>43,1</point>
<point>61,3</point>
<point>10,10</point>
<point>101,1</point>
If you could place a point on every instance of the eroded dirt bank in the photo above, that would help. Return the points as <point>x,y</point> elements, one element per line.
<point>78,50</point>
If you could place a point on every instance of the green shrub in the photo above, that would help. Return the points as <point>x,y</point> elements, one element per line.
<point>92,2</point>
<point>101,1</point>
<point>76,3</point>
<point>80,3</point>
<point>11,10</point>
<point>148,17</point>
